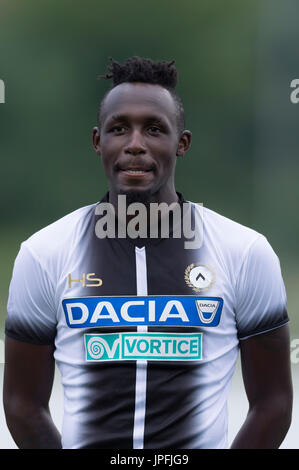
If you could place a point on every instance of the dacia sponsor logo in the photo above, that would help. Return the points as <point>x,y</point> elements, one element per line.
<point>150,346</point>
<point>156,310</point>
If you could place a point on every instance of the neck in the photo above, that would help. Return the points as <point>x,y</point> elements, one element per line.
<point>142,197</point>
<point>122,203</point>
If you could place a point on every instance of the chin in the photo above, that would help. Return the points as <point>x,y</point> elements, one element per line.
<point>134,195</point>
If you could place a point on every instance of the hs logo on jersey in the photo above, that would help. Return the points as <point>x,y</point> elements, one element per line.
<point>89,277</point>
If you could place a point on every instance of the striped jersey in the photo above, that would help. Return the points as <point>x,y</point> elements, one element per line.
<point>146,331</point>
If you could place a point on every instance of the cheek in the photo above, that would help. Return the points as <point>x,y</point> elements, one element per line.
<point>107,148</point>
<point>109,155</point>
<point>165,147</point>
<point>109,145</point>
<point>167,160</point>
<point>107,164</point>
<point>164,151</point>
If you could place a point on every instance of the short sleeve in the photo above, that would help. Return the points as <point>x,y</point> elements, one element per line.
<point>31,313</point>
<point>260,292</point>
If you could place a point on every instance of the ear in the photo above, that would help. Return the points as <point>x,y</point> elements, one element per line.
<point>184,143</point>
<point>96,140</point>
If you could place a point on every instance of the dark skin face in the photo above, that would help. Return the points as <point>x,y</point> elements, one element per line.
<point>138,141</point>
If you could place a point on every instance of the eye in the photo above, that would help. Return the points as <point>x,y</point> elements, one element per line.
<point>154,130</point>
<point>117,130</point>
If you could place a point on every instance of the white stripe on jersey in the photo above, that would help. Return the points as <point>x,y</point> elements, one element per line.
<point>141,365</point>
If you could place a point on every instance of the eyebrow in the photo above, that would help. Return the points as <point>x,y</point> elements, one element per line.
<point>148,119</point>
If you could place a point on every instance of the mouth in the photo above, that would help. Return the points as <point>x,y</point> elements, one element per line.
<point>136,171</point>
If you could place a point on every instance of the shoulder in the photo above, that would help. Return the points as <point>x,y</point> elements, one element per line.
<point>232,241</point>
<point>228,231</point>
<point>61,235</point>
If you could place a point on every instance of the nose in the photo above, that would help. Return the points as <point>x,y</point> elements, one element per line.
<point>135,145</point>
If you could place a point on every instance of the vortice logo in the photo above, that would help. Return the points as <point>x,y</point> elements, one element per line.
<point>150,346</point>
<point>2,92</point>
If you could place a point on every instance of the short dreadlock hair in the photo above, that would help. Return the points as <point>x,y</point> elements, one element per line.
<point>139,69</point>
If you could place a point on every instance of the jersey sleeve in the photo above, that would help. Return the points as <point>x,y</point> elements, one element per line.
<point>31,313</point>
<point>260,292</point>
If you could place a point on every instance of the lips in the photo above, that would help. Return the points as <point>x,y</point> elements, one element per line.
<point>135,171</point>
<point>136,174</point>
<point>134,168</point>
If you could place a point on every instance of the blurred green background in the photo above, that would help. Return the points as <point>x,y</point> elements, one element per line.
<point>235,60</point>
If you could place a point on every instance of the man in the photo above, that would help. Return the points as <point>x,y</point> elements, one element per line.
<point>145,330</point>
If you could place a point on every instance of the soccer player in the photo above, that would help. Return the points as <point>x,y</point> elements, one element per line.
<point>145,329</point>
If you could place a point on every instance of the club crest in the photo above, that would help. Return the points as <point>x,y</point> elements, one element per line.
<point>200,277</point>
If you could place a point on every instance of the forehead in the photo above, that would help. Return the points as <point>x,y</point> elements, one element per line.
<point>139,98</point>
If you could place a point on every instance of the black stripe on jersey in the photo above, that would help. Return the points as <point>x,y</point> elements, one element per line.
<point>172,388</point>
<point>110,387</point>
